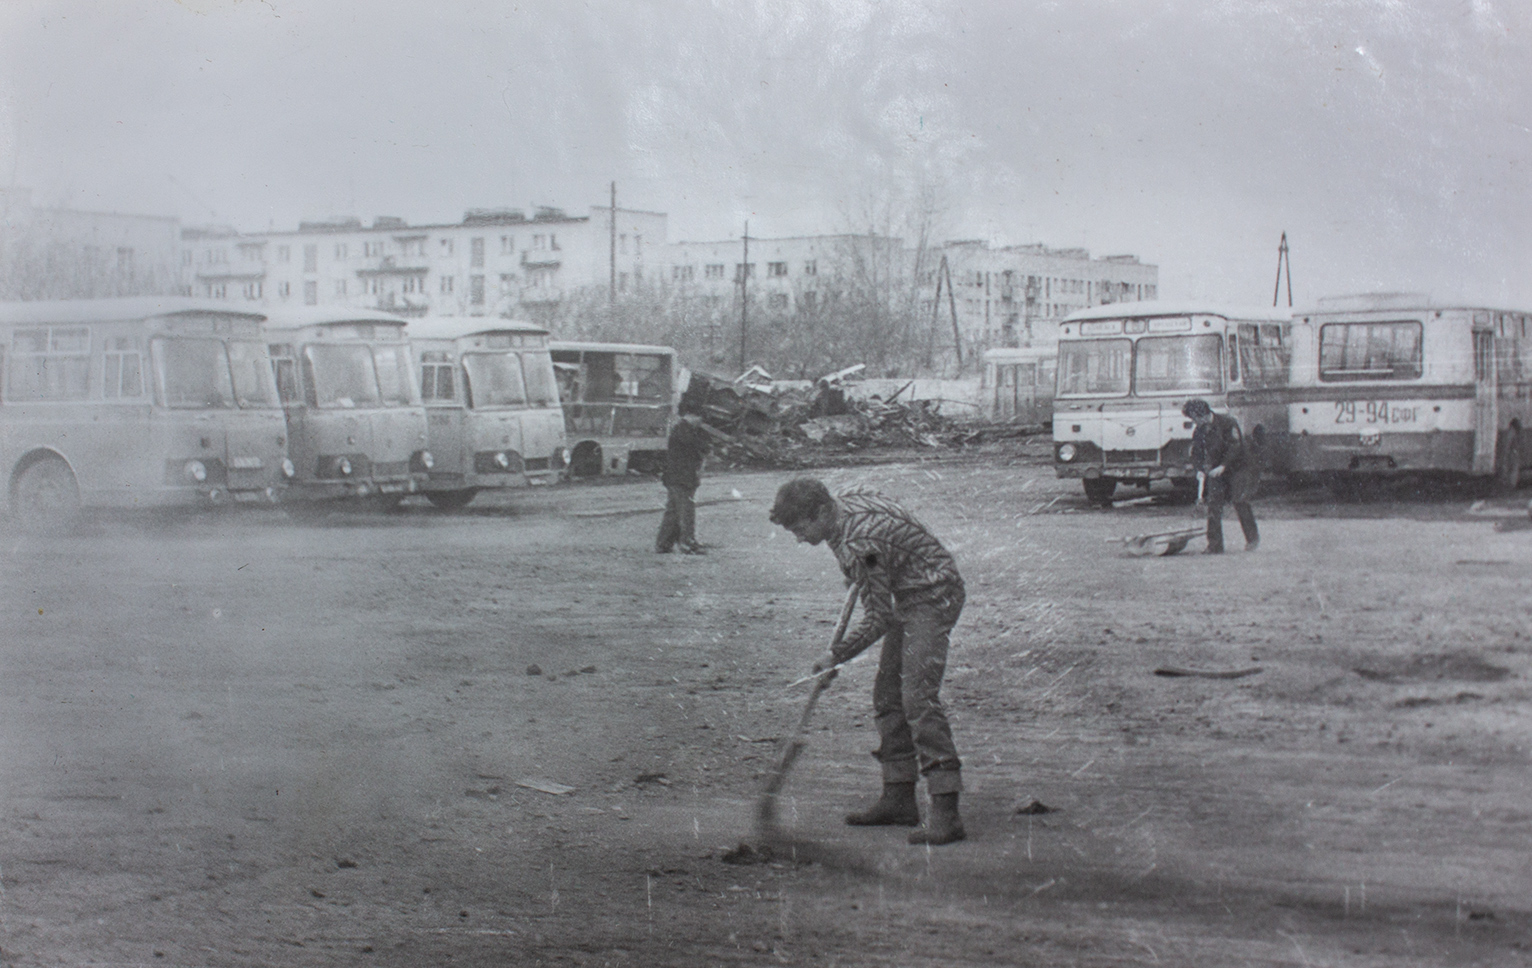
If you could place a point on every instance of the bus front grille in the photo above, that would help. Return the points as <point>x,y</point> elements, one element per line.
<point>393,468</point>
<point>1132,456</point>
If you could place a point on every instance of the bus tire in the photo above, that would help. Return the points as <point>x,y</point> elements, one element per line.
<point>45,495</point>
<point>586,460</point>
<point>1508,461</point>
<point>451,500</point>
<point>1099,491</point>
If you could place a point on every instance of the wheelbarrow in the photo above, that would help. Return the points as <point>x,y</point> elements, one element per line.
<point>1160,543</point>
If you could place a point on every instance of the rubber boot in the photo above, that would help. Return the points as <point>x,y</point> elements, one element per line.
<point>895,808</point>
<point>944,825</point>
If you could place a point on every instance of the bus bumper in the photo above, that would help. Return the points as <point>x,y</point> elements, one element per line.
<point>1433,450</point>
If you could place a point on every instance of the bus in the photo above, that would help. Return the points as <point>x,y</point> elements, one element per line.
<point>134,402</point>
<point>1390,383</point>
<point>1017,384</point>
<point>356,428</point>
<point>492,406</point>
<point>1126,369</point>
<point>619,402</point>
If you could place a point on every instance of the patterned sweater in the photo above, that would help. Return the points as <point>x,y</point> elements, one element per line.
<point>897,561</point>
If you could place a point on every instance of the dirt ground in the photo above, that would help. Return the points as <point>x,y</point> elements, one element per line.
<point>237,740</point>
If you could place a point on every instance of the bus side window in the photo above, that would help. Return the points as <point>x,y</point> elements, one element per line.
<point>1233,357</point>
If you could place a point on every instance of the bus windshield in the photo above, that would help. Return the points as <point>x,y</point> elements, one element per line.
<point>194,373</point>
<point>1094,366</point>
<point>1369,351</point>
<point>398,389</point>
<point>1177,364</point>
<point>542,386</point>
<point>253,384</point>
<point>494,380</point>
<point>343,375</point>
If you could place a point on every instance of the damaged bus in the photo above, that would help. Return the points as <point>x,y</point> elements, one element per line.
<point>619,402</point>
<point>492,406</point>
<point>1393,383</point>
<point>356,426</point>
<point>1125,370</point>
<point>135,402</point>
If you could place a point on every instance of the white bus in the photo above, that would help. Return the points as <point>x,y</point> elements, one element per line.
<point>619,400</point>
<point>492,403</point>
<point>144,401</point>
<point>356,426</point>
<point>1126,369</point>
<point>1390,383</point>
<point>1017,384</point>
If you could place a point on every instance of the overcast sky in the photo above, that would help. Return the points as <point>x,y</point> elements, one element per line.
<point>1392,141</point>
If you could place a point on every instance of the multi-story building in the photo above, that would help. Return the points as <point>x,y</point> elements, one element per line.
<point>59,253</point>
<point>1015,295</point>
<point>496,262</point>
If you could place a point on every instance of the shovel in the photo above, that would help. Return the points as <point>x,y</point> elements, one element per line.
<point>766,807</point>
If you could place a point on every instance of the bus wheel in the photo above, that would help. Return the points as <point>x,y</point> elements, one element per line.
<point>1508,461</point>
<point>451,500</point>
<point>586,460</point>
<point>45,495</point>
<point>1099,491</point>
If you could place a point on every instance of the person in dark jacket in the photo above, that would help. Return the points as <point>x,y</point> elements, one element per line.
<point>911,595</point>
<point>684,453</point>
<point>1228,470</point>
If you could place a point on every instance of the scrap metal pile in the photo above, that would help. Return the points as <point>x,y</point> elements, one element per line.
<point>758,422</point>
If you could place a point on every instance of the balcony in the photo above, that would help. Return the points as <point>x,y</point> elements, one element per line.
<point>541,295</point>
<point>389,266</point>
<point>540,259</point>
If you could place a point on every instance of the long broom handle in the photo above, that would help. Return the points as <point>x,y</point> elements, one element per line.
<point>824,680</point>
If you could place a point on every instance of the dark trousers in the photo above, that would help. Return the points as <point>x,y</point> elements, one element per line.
<point>679,525</point>
<point>1219,495</point>
<point>914,737</point>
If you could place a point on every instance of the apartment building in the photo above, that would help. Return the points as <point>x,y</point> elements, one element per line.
<point>495,262</point>
<point>60,253</point>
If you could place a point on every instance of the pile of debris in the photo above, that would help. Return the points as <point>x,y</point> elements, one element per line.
<point>760,422</point>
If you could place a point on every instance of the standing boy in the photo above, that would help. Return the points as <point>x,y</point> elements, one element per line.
<point>912,595</point>
<point>685,450</point>
<point>1229,469</point>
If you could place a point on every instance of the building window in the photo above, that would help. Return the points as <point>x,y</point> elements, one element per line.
<point>218,290</point>
<point>777,300</point>
<point>507,244</point>
<point>476,253</point>
<point>311,258</point>
<point>253,290</point>
<point>372,249</point>
<point>810,299</point>
<point>553,241</point>
<point>507,284</point>
<point>476,290</point>
<point>413,284</point>
<point>284,253</point>
<point>340,250</point>
<point>284,289</point>
<point>539,241</point>
<point>311,293</point>
<point>446,285</point>
<point>811,268</point>
<point>340,287</point>
<point>744,271</point>
<point>776,269</point>
<point>447,247</point>
<point>714,271</point>
<point>186,258</point>
<point>683,273</point>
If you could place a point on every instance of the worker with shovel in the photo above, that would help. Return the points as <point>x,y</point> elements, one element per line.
<point>1228,471</point>
<point>912,595</point>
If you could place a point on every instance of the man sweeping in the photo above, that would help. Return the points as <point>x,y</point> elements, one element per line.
<point>912,595</point>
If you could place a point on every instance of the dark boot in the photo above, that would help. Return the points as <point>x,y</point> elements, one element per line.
<point>944,825</point>
<point>895,808</point>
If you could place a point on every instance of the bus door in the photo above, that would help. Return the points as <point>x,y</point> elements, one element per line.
<point>441,389</point>
<point>1024,391</point>
<point>1486,413</point>
<point>196,387</point>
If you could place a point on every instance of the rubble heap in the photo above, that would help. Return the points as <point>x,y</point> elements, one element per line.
<point>758,422</point>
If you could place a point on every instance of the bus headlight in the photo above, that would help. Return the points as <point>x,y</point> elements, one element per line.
<point>501,460</point>
<point>196,470</point>
<point>344,466</point>
<point>1066,453</point>
<point>288,470</point>
<point>427,460</point>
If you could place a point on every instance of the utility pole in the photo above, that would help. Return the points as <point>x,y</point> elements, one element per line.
<point>611,298</point>
<point>944,275</point>
<point>744,299</point>
<point>1283,261</point>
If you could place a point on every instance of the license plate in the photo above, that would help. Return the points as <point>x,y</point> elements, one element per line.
<point>1350,413</point>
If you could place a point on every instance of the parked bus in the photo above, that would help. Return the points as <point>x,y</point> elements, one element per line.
<point>1125,370</point>
<point>1398,382</point>
<point>492,403</point>
<point>1017,384</point>
<point>619,401</point>
<point>356,426</point>
<point>135,402</point>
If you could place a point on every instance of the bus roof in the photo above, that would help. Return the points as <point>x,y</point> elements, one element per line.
<point>1019,354</point>
<point>121,309</point>
<point>1152,307</point>
<point>296,316</point>
<point>1365,302</point>
<point>638,349</point>
<point>456,327</point>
